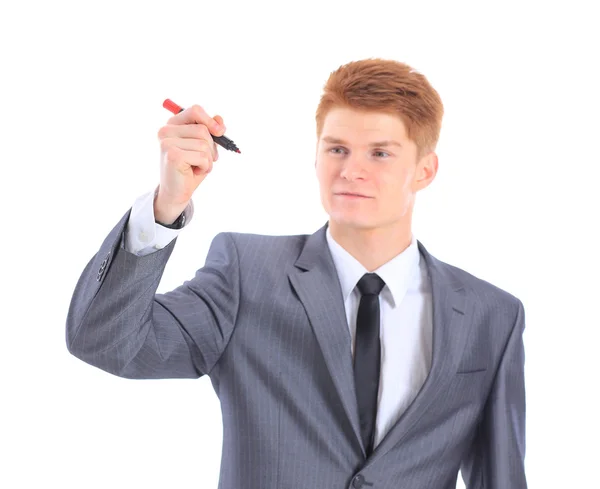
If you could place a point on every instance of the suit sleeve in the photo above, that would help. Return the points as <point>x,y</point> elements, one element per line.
<point>496,459</point>
<point>118,323</point>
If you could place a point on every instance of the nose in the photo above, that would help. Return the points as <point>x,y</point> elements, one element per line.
<point>352,169</point>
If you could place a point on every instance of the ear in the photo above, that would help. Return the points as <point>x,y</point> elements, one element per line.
<point>427,170</point>
<point>432,165</point>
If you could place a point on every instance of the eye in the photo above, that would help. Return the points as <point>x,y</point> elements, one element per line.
<point>382,152</point>
<point>333,150</point>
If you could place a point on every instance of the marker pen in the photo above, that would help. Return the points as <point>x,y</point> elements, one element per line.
<point>220,140</point>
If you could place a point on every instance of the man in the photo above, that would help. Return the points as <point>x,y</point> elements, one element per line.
<point>347,358</point>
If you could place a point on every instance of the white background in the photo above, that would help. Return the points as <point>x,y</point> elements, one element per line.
<point>515,201</point>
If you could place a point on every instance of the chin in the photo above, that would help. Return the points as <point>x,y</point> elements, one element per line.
<point>348,217</point>
<point>353,222</point>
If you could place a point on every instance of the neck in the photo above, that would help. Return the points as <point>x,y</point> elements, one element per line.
<point>372,247</point>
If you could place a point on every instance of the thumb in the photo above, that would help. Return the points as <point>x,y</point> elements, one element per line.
<point>222,128</point>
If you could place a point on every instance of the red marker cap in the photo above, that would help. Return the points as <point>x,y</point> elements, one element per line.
<point>172,106</point>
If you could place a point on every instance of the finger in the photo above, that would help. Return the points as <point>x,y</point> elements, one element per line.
<point>215,152</point>
<point>201,159</point>
<point>198,133</point>
<point>193,131</point>
<point>194,115</point>
<point>187,144</point>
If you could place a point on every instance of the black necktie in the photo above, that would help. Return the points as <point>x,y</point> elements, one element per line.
<point>367,354</point>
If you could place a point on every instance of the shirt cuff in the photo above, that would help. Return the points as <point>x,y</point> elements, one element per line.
<point>143,234</point>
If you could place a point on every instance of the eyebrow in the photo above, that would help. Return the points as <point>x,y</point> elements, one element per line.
<point>329,139</point>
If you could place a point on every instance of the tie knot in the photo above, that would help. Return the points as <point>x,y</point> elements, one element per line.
<point>370,284</point>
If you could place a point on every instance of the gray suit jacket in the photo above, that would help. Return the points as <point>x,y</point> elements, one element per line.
<point>264,319</point>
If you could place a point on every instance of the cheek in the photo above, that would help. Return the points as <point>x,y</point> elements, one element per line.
<point>324,174</point>
<point>405,194</point>
<point>403,183</point>
<point>397,189</point>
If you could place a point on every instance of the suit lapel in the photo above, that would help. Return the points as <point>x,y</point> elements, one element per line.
<point>316,282</point>
<point>452,321</point>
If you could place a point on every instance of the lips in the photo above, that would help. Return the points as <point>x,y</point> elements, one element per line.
<point>352,194</point>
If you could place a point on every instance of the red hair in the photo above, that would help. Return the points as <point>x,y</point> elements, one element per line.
<point>388,86</point>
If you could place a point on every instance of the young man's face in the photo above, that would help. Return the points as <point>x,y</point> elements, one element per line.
<point>387,175</point>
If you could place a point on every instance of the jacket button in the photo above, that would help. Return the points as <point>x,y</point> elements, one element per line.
<point>104,263</point>
<point>358,481</point>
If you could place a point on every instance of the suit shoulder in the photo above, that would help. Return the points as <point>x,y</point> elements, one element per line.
<point>265,244</point>
<point>485,291</point>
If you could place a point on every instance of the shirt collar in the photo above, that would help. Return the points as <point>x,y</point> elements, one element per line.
<point>396,273</point>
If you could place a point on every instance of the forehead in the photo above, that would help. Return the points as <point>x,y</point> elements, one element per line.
<point>340,122</point>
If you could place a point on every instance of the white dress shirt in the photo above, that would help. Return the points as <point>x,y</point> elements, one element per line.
<point>405,307</point>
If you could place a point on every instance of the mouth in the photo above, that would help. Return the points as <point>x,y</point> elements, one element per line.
<point>352,195</point>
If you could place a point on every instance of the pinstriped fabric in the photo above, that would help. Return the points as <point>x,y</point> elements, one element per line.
<point>264,319</point>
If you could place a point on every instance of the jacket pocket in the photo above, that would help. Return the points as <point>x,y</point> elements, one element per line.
<point>471,369</point>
